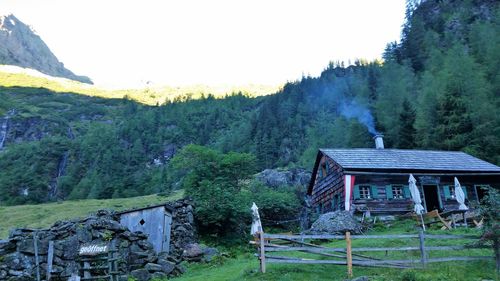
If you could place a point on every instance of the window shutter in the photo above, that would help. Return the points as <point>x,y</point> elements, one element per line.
<point>334,202</point>
<point>388,191</point>
<point>374,191</point>
<point>446,190</point>
<point>320,172</point>
<point>356,192</point>
<point>406,191</point>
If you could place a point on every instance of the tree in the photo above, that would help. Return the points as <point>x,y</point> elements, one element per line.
<point>407,116</point>
<point>454,123</point>
<point>214,181</point>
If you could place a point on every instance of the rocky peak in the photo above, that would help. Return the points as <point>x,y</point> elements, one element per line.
<point>21,46</point>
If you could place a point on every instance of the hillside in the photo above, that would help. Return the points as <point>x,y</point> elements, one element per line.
<point>437,89</point>
<point>11,76</point>
<point>43,216</point>
<point>21,46</point>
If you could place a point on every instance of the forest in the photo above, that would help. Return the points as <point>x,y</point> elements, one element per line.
<point>438,88</point>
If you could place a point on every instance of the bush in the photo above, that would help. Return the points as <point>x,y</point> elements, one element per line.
<point>215,182</point>
<point>277,207</point>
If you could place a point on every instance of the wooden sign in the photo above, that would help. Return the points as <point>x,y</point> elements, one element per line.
<point>90,250</point>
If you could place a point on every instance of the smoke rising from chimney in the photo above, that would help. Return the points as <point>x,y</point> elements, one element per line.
<point>352,109</point>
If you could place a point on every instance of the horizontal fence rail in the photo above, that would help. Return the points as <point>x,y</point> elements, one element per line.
<point>271,245</point>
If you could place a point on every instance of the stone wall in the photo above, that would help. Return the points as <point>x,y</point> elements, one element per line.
<point>136,255</point>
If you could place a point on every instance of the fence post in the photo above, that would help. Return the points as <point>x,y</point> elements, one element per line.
<point>50,259</point>
<point>422,247</point>
<point>349,253</point>
<point>262,253</point>
<point>37,260</point>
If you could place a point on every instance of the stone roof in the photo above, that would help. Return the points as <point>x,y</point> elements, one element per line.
<point>402,159</point>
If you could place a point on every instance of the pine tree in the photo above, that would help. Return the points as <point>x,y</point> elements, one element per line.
<point>454,122</point>
<point>407,126</point>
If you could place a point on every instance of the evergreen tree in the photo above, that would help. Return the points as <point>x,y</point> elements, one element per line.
<point>407,117</point>
<point>454,123</point>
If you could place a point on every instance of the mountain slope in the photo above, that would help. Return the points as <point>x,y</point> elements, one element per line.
<point>438,89</point>
<point>20,46</point>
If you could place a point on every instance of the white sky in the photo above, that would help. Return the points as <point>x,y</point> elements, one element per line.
<point>127,42</point>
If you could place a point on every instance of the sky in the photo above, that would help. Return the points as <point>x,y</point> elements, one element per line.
<point>126,43</point>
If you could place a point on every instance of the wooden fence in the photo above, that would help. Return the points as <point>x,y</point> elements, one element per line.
<point>270,245</point>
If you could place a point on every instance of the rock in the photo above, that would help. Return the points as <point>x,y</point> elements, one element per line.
<point>6,246</point>
<point>166,266</point>
<point>158,275</point>
<point>152,267</point>
<point>209,254</point>
<point>22,47</point>
<point>140,274</point>
<point>337,222</point>
<point>16,273</point>
<point>26,246</point>
<point>276,178</point>
<point>192,252</point>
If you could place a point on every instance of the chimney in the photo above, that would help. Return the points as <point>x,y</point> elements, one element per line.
<point>379,141</point>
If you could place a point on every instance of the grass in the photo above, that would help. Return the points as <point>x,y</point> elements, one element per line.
<point>241,264</point>
<point>44,215</point>
<point>244,265</point>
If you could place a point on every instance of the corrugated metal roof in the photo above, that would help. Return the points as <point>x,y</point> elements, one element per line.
<point>402,159</point>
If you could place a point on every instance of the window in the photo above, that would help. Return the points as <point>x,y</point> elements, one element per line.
<point>364,192</point>
<point>450,194</point>
<point>452,191</point>
<point>397,192</point>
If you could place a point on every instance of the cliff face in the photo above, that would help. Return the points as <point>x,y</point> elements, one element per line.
<point>20,46</point>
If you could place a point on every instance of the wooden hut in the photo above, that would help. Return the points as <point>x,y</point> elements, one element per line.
<point>376,180</point>
<point>155,221</point>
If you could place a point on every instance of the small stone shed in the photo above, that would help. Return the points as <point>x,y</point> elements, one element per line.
<point>29,254</point>
<point>155,221</point>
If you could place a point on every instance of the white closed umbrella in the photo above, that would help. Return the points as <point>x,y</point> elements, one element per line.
<point>256,224</point>
<point>415,196</point>
<point>460,195</point>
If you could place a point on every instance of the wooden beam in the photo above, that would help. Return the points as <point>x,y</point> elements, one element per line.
<point>262,253</point>
<point>50,259</point>
<point>37,259</point>
<point>341,237</point>
<point>349,253</point>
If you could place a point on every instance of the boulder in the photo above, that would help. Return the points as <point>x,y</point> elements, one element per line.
<point>337,222</point>
<point>152,267</point>
<point>192,252</point>
<point>209,254</point>
<point>140,274</point>
<point>166,266</point>
<point>276,178</point>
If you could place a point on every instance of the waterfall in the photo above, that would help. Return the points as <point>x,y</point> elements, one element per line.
<point>4,129</point>
<point>61,168</point>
